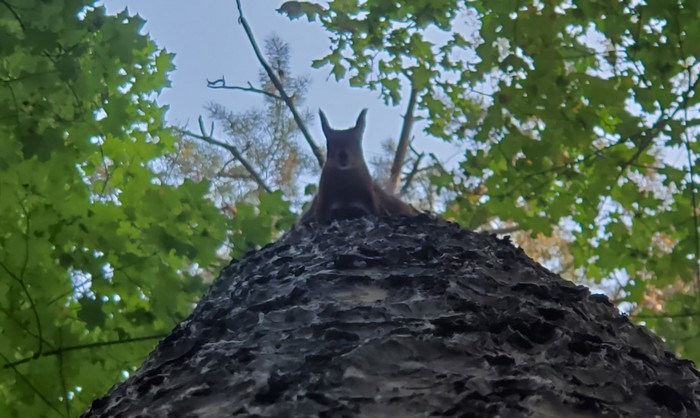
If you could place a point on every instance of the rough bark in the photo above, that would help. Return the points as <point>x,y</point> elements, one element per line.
<point>405,318</point>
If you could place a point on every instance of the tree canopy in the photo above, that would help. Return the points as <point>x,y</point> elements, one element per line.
<point>98,258</point>
<point>579,119</point>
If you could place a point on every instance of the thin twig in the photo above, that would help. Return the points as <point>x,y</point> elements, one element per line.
<point>437,164</point>
<point>221,84</point>
<point>504,230</point>
<point>404,141</point>
<point>412,174</point>
<point>230,148</point>
<point>14,13</point>
<point>63,350</point>
<point>280,88</point>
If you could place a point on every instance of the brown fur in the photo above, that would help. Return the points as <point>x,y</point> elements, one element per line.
<point>346,188</point>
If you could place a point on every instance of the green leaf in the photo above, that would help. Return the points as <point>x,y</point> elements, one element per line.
<point>91,313</point>
<point>296,9</point>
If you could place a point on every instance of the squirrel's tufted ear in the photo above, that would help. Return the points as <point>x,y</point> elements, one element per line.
<point>324,123</point>
<point>360,124</point>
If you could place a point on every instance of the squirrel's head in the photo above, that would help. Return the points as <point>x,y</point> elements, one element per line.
<point>344,146</point>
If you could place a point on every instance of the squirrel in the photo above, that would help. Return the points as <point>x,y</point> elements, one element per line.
<point>346,189</point>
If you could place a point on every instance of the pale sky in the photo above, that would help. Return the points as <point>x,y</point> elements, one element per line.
<point>209,43</point>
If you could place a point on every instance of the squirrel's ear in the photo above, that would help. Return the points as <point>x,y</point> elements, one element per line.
<point>324,123</point>
<point>360,124</point>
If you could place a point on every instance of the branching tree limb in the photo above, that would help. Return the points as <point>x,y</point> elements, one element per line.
<point>412,174</point>
<point>280,89</point>
<point>404,141</point>
<point>221,84</point>
<point>207,137</point>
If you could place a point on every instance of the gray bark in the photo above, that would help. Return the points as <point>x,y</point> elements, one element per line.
<point>402,318</point>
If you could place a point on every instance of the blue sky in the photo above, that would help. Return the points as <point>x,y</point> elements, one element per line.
<point>209,43</point>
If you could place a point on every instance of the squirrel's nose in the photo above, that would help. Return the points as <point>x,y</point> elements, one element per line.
<point>343,158</point>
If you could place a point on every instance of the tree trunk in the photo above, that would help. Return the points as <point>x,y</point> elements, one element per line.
<point>402,318</point>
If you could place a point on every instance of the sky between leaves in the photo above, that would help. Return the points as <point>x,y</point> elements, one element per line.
<point>209,43</point>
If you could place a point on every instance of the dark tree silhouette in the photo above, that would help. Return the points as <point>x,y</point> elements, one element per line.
<point>402,317</point>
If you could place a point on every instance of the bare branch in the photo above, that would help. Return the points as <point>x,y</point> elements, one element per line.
<point>404,140</point>
<point>230,148</point>
<point>412,174</point>
<point>504,230</point>
<point>221,84</point>
<point>280,89</point>
<point>437,164</point>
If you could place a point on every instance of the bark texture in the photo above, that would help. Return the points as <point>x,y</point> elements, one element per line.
<point>402,318</point>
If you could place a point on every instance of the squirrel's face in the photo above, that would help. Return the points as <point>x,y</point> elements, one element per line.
<point>344,150</point>
<point>344,146</point>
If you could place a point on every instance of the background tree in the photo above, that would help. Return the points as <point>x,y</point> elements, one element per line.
<point>269,155</point>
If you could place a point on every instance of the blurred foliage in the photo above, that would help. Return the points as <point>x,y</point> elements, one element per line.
<point>579,116</point>
<point>98,257</point>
